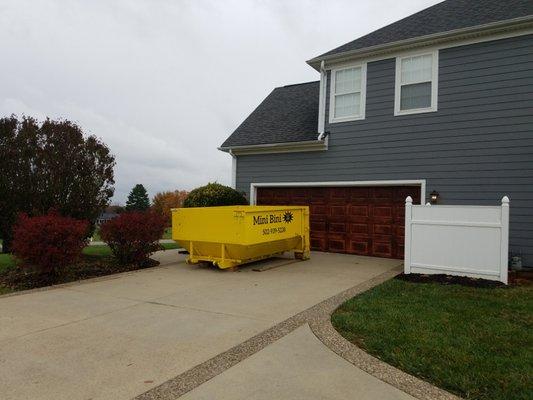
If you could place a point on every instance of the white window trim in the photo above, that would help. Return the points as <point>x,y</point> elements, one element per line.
<point>331,111</point>
<point>434,84</point>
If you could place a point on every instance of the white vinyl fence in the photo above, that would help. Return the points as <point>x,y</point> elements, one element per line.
<point>457,240</point>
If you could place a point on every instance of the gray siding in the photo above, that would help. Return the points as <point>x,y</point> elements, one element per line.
<point>475,149</point>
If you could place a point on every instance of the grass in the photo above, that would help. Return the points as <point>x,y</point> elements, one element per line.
<point>474,342</point>
<point>104,250</point>
<point>6,261</point>
<point>97,238</point>
<point>167,234</point>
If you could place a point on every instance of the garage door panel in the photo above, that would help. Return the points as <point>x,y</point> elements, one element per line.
<point>359,228</point>
<point>337,227</point>
<point>360,247</point>
<point>337,210</point>
<point>382,249</point>
<point>382,212</point>
<point>337,243</point>
<point>360,193</point>
<point>318,210</point>
<point>318,243</point>
<point>318,195</point>
<point>317,226</point>
<point>338,195</point>
<point>362,210</point>
<point>380,229</point>
<point>357,220</point>
<point>383,193</point>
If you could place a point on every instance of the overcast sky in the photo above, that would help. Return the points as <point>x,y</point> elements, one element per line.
<point>163,83</point>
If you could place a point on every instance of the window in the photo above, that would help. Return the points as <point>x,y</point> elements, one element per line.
<point>347,98</point>
<point>416,84</point>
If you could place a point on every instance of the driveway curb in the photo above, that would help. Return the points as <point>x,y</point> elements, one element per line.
<point>328,335</point>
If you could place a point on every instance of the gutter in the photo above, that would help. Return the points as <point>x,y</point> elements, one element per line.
<point>463,33</point>
<point>308,145</point>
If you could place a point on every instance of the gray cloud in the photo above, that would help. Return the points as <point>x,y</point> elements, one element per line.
<point>164,82</point>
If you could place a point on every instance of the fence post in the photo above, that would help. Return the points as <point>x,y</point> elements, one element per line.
<point>407,243</point>
<point>504,244</point>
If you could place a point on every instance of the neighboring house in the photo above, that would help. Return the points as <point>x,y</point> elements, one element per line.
<point>439,102</point>
<point>105,216</point>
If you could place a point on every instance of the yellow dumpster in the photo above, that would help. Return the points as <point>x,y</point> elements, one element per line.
<point>234,235</point>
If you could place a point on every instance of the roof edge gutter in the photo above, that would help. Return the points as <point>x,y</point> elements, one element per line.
<point>463,33</point>
<point>287,147</point>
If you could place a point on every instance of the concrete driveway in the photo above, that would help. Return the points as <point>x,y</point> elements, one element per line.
<point>118,337</point>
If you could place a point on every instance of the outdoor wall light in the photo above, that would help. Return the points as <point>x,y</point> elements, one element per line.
<point>434,197</point>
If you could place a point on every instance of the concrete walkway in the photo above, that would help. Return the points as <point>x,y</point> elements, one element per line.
<point>118,337</point>
<point>297,366</point>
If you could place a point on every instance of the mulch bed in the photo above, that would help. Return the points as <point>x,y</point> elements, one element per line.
<point>521,278</point>
<point>19,278</point>
<point>449,280</point>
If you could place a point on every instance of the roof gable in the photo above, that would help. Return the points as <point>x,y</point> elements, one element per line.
<point>288,114</point>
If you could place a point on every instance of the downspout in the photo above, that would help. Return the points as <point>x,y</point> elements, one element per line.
<point>322,102</point>
<point>233,169</point>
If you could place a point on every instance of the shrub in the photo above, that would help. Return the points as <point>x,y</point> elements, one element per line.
<point>49,242</point>
<point>214,194</point>
<point>133,236</point>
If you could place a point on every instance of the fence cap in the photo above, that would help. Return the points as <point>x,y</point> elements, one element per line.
<point>505,200</point>
<point>409,199</point>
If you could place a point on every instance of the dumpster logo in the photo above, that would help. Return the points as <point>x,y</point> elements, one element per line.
<point>288,217</point>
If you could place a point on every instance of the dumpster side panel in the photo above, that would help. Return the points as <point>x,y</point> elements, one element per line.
<point>209,224</point>
<point>230,236</point>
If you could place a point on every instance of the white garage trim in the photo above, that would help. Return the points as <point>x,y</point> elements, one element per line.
<point>412,182</point>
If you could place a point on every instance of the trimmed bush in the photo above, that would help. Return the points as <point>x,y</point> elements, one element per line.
<point>49,242</point>
<point>214,194</point>
<point>133,236</point>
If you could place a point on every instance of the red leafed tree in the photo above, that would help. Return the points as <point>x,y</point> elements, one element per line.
<point>133,236</point>
<point>163,202</point>
<point>49,242</point>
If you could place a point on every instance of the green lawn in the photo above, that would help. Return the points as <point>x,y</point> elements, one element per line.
<point>475,342</point>
<point>6,261</point>
<point>167,234</point>
<point>104,250</point>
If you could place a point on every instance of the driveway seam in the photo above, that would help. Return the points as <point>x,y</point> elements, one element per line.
<point>158,303</point>
<point>317,317</point>
<point>67,323</point>
<point>205,311</point>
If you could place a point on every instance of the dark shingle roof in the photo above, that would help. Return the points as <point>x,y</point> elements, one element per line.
<point>288,114</point>
<point>446,16</point>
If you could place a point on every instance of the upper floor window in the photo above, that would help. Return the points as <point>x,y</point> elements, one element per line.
<point>416,83</point>
<point>348,93</point>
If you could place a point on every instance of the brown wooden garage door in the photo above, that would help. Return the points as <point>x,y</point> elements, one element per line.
<point>357,220</point>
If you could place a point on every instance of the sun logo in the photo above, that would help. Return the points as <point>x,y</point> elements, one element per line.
<point>288,217</point>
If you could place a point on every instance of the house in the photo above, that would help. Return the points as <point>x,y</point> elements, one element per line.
<point>438,106</point>
<point>105,216</point>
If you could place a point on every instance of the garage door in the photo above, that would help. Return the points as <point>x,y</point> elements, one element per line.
<point>356,220</point>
